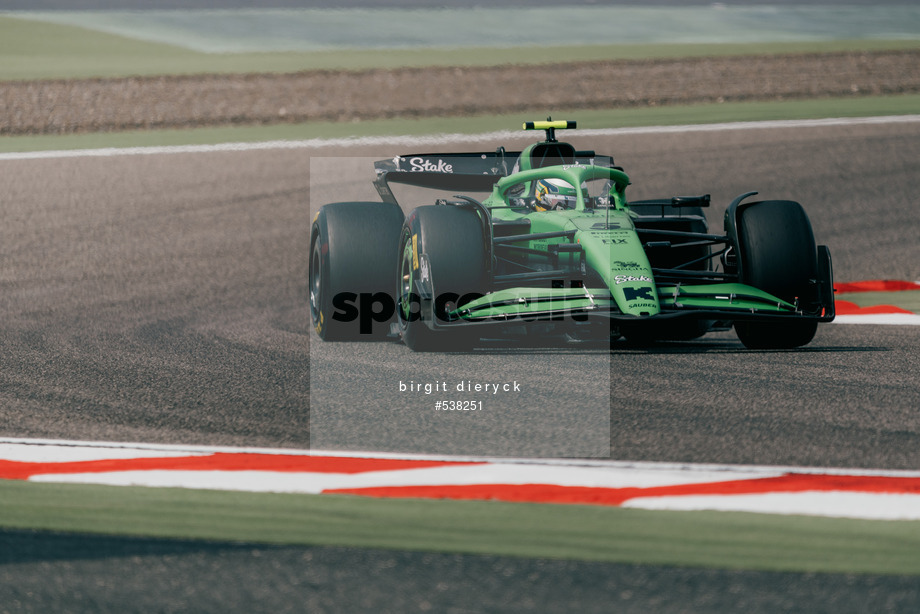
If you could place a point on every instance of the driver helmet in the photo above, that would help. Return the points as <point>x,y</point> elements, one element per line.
<point>553,194</point>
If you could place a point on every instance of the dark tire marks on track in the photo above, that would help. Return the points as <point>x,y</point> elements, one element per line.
<point>163,298</point>
<point>155,298</point>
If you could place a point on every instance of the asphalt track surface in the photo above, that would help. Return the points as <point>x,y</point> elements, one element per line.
<point>162,298</point>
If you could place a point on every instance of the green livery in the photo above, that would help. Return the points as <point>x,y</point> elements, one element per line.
<point>544,240</point>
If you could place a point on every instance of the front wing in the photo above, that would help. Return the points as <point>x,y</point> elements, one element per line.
<point>699,301</point>
<point>702,302</point>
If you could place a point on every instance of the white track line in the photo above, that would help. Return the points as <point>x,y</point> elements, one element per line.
<point>890,319</point>
<point>446,139</point>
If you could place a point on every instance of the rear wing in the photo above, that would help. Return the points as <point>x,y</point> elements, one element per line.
<point>460,172</point>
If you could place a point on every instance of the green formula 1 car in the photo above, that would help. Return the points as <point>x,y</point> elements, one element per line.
<point>552,245</point>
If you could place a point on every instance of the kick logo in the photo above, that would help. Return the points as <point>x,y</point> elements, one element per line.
<point>634,294</point>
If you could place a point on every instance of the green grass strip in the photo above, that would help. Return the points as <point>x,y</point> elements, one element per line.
<point>38,50</point>
<point>696,539</point>
<point>611,118</point>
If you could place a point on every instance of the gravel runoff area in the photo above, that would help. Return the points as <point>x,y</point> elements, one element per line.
<point>113,104</point>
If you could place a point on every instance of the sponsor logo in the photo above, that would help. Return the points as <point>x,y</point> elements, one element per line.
<point>422,165</point>
<point>634,294</point>
<point>622,279</point>
<point>621,265</point>
<point>319,324</point>
<point>424,271</point>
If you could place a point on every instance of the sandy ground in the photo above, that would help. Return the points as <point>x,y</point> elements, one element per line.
<point>87,105</point>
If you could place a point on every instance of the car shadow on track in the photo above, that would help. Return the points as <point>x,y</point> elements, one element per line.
<point>725,348</point>
<point>623,347</point>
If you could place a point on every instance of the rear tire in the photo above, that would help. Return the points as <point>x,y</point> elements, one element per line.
<point>352,246</point>
<point>451,238</point>
<point>777,254</point>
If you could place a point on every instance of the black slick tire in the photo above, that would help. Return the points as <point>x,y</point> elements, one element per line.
<point>352,246</point>
<point>777,254</point>
<point>450,239</point>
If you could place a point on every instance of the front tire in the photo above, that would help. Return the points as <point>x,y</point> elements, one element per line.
<point>777,254</point>
<point>450,239</point>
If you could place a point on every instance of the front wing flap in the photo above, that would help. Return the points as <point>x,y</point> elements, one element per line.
<point>720,301</point>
